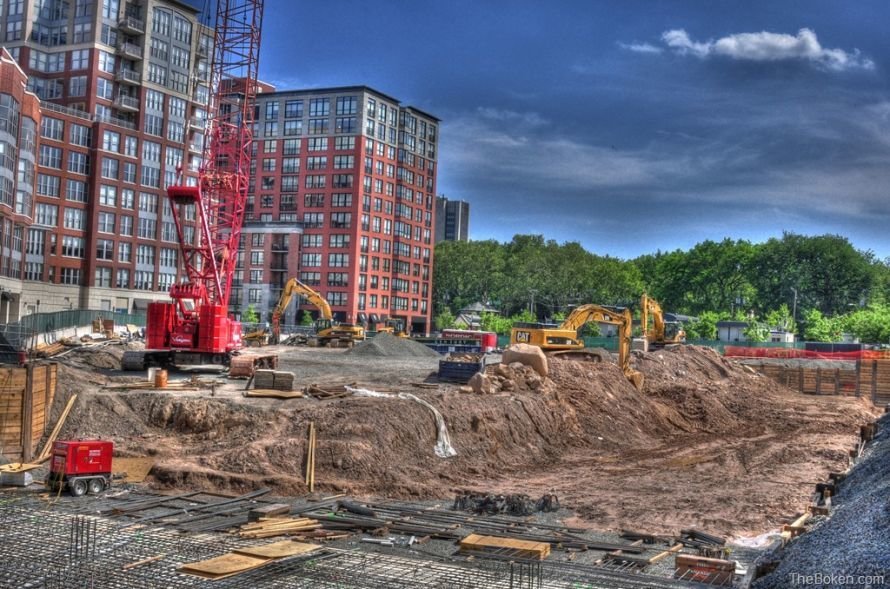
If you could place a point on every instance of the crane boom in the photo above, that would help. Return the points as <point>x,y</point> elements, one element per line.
<point>196,326</point>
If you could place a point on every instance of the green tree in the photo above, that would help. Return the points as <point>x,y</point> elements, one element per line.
<point>757,331</point>
<point>249,315</point>
<point>705,327</point>
<point>445,319</point>
<point>818,328</point>
<point>781,319</point>
<point>306,319</point>
<point>871,324</point>
<point>827,272</point>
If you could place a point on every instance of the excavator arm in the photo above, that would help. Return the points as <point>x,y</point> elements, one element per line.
<point>649,306</point>
<point>295,287</point>
<point>659,336</point>
<point>620,317</point>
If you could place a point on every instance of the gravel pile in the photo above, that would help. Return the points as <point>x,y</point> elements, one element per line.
<point>386,344</point>
<point>853,542</point>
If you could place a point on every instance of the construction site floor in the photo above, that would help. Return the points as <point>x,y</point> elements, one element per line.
<point>61,542</point>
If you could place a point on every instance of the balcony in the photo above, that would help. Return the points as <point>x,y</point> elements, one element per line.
<point>125,76</point>
<point>124,102</point>
<point>131,25</point>
<point>130,50</point>
<point>194,148</point>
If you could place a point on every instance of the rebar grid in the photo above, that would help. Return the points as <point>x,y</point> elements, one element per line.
<point>49,547</point>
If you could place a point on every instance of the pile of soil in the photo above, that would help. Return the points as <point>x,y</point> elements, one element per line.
<point>513,377</point>
<point>386,344</point>
<point>705,444</point>
<point>98,356</point>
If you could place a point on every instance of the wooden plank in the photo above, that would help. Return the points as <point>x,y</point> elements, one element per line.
<point>278,549</point>
<point>28,415</point>
<point>274,394</point>
<point>223,566</point>
<point>666,553</point>
<point>48,448</point>
<point>525,548</point>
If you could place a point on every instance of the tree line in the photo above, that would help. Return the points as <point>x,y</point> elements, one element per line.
<point>818,286</point>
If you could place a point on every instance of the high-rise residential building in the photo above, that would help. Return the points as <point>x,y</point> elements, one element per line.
<point>123,89</point>
<point>342,198</point>
<point>103,103</point>
<point>452,219</point>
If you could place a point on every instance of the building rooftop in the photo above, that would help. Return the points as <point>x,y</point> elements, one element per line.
<point>360,88</point>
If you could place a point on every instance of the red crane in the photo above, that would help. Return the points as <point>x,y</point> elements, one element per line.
<point>195,326</point>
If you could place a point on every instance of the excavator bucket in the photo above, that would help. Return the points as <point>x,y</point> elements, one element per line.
<point>636,379</point>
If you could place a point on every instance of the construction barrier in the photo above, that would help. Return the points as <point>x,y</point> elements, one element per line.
<point>796,353</point>
<point>869,378</point>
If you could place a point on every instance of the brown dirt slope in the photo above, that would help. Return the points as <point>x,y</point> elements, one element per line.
<point>705,443</point>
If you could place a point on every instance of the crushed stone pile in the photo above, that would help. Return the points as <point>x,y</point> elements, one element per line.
<point>388,345</point>
<point>853,540</point>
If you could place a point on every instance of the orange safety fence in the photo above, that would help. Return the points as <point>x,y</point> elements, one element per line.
<point>746,352</point>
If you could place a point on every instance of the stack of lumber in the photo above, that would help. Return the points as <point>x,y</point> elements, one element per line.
<point>477,544</point>
<point>326,391</point>
<point>49,350</point>
<point>274,394</point>
<point>278,526</point>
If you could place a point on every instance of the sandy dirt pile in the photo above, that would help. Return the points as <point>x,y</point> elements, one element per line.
<point>706,443</point>
<point>386,344</point>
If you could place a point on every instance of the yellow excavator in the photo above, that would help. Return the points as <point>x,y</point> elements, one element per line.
<point>563,340</point>
<point>663,333</point>
<point>327,331</point>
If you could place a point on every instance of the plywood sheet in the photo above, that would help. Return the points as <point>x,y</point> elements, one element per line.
<point>136,468</point>
<point>278,549</point>
<point>224,566</point>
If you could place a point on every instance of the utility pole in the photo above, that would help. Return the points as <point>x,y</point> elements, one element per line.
<point>794,306</point>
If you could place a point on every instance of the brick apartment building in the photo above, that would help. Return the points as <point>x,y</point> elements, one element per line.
<point>342,198</point>
<point>102,101</point>
<point>123,91</point>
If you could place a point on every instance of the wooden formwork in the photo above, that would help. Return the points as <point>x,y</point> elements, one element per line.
<point>26,397</point>
<point>870,378</point>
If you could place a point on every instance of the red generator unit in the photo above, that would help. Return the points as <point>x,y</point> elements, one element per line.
<point>81,466</point>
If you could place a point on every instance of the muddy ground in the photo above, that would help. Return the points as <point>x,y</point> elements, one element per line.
<point>706,443</point>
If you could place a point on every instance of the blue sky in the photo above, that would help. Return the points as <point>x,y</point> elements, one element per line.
<point>628,126</point>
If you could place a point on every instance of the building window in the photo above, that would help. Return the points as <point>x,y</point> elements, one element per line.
<point>337,299</point>
<point>74,219</point>
<point>310,240</point>
<point>293,109</point>
<point>122,279</point>
<point>313,220</point>
<point>108,195</point>
<point>338,260</point>
<point>256,258</point>
<point>319,107</point>
<point>78,163</point>
<point>69,275</point>
<point>72,247</point>
<point>341,220</point>
<point>347,105</point>
<point>124,253</point>
<point>52,128</point>
<point>106,222</point>
<point>147,228</point>
<point>48,185</point>
<point>291,147</point>
<point>104,250</point>
<point>310,260</point>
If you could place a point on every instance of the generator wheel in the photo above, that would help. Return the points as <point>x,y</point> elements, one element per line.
<point>78,487</point>
<point>95,486</point>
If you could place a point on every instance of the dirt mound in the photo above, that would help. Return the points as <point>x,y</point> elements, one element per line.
<point>514,377</point>
<point>701,429</point>
<point>386,344</point>
<point>97,356</point>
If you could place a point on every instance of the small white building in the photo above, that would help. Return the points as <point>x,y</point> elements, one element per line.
<point>732,331</point>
